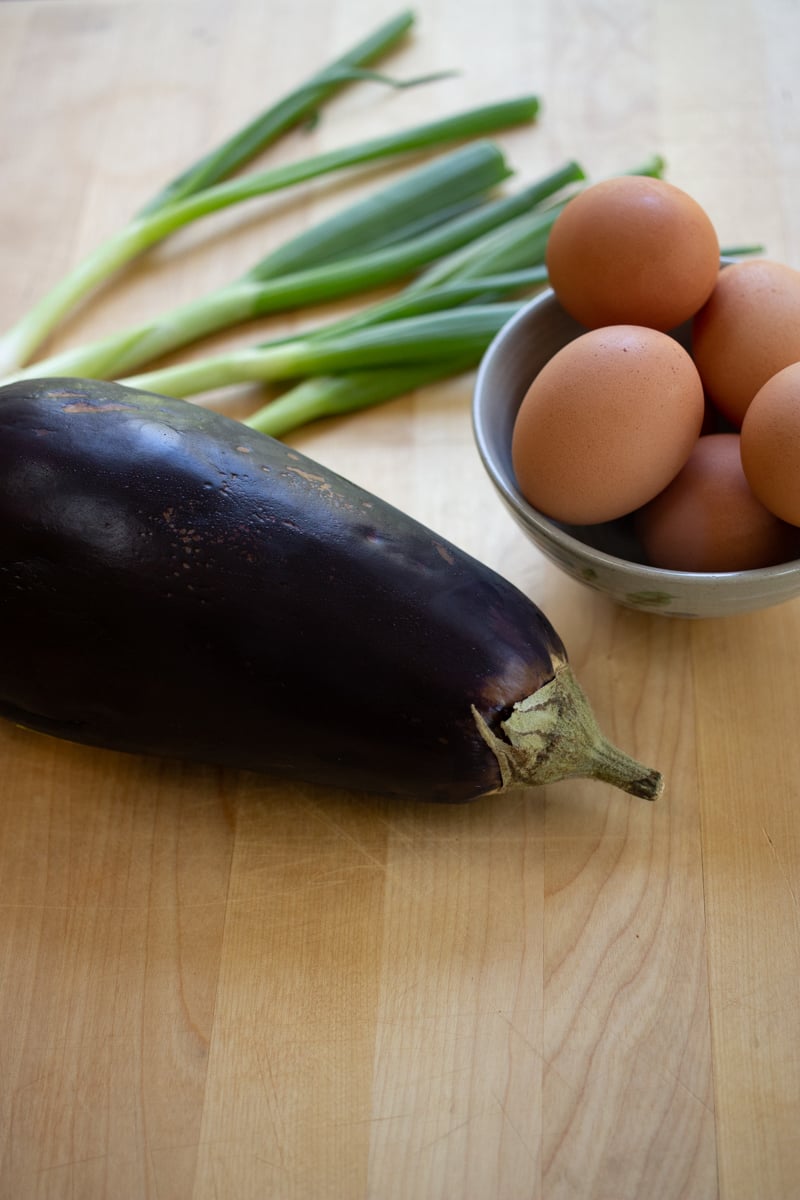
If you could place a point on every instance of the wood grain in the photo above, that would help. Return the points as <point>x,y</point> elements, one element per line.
<point>217,985</point>
<point>752,883</point>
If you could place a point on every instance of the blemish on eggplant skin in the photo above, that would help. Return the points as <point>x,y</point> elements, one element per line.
<point>310,477</point>
<point>84,407</point>
<point>446,554</point>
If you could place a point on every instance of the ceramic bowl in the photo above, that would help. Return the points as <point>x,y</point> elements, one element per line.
<point>605,557</point>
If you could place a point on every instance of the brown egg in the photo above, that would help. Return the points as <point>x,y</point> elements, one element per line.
<point>632,250</point>
<point>771,444</point>
<point>708,519</point>
<point>606,424</point>
<point>748,330</point>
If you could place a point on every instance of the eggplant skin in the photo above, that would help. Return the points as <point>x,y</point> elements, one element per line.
<point>173,583</point>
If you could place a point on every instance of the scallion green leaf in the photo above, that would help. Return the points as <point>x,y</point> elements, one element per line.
<point>334,395</point>
<point>296,107</point>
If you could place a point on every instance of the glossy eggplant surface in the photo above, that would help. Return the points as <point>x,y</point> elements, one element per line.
<point>173,583</point>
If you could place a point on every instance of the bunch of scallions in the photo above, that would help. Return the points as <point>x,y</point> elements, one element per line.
<point>464,253</point>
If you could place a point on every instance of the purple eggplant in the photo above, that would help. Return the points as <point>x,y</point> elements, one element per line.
<point>173,583</point>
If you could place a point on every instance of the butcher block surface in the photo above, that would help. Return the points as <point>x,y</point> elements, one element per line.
<point>215,984</point>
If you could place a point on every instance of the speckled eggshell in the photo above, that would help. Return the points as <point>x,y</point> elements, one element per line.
<point>606,424</point>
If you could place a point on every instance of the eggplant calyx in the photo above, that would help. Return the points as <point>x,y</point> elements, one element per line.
<point>553,734</point>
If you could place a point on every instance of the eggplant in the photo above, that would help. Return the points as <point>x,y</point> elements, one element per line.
<point>175,584</point>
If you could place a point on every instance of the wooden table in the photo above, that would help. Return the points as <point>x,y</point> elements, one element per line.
<point>214,985</point>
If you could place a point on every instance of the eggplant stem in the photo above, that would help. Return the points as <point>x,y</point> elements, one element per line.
<point>553,735</point>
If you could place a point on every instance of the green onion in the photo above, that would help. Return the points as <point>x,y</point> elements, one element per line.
<point>247,297</point>
<point>419,201</point>
<point>517,244</point>
<point>299,105</point>
<point>741,251</point>
<point>460,176</point>
<point>334,395</point>
<point>321,396</point>
<point>414,302</point>
<point>144,231</point>
<point>453,334</point>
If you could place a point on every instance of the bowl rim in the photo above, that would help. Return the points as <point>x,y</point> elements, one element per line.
<point>551,530</point>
